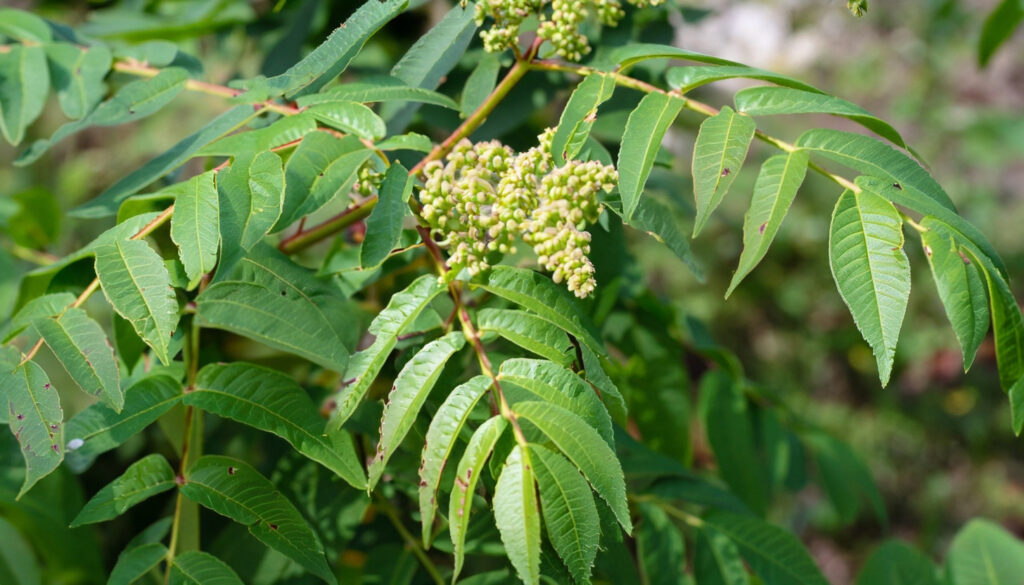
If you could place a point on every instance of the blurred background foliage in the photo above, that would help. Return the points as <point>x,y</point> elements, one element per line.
<point>937,441</point>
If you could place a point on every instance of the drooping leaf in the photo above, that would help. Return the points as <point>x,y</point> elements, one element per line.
<point>896,563</point>
<point>657,220</point>
<point>517,516</point>
<point>18,566</point>
<point>570,514</point>
<point>768,101</point>
<point>36,420</point>
<point>1007,324</point>
<point>578,115</point>
<point>776,186</point>
<point>77,75</point>
<point>134,101</point>
<point>408,141</point>
<point>250,201</point>
<point>107,202</point>
<point>379,89</point>
<point>142,480</point>
<point>999,26</point>
<point>242,144</point>
<point>234,489</point>
<point>1016,393</point>
<point>716,561</point>
<point>554,384</point>
<point>471,466</point>
<point>198,568</point>
<point>984,553</point>
<point>645,128</point>
<point>351,117</point>
<point>410,391</point>
<point>49,305</point>
<point>195,225</point>
<point>775,555</point>
<point>133,563</point>
<point>539,294</point>
<point>402,310</point>
<point>24,84</point>
<point>871,270</point>
<point>584,447</point>
<point>331,58</point>
<point>271,401</point>
<point>660,547</point>
<point>136,283</point>
<point>442,435</point>
<point>718,155</point>
<point>322,168</point>
<point>299,313</point>
<point>686,79</point>
<point>595,374</point>
<point>98,429</point>
<point>961,288</point>
<point>846,478</point>
<point>384,225</point>
<point>24,26</point>
<point>528,331</point>
<point>481,83</point>
<point>629,55</point>
<point>81,346</point>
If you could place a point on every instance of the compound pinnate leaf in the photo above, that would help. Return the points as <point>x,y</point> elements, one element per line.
<point>442,436</point>
<point>138,286</point>
<point>718,155</point>
<point>199,568</point>
<point>471,466</point>
<point>195,225</point>
<point>776,186</point>
<point>36,420</point>
<point>645,128</point>
<point>775,555</point>
<point>984,553</point>
<point>133,563</point>
<point>81,346</point>
<point>585,448</point>
<point>234,489</point>
<point>410,391</point>
<point>250,195</point>
<point>24,84</point>
<point>381,89</point>
<point>578,115</point>
<point>77,75</point>
<point>871,270</point>
<point>142,480</point>
<point>517,516</point>
<point>529,332</point>
<point>570,514</point>
<point>686,79</point>
<point>271,401</point>
<point>384,226</point>
<point>897,563</point>
<point>322,168</point>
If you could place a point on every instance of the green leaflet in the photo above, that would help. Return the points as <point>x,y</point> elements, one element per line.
<point>50,305</point>
<point>299,312</point>
<point>272,402</point>
<point>24,85</point>
<point>77,75</point>
<point>547,381</point>
<point>351,117</point>
<point>250,201</point>
<point>846,478</point>
<point>730,432</point>
<point>645,128</point>
<point>1016,393</point>
<point>551,302</point>
<point>1007,324</point>
<point>81,346</point>
<point>716,561</point>
<point>195,225</point>
<point>578,115</point>
<point>961,288</point>
<point>36,420</point>
<point>983,553</point>
<point>409,141</point>
<point>138,286</point>
<point>287,129</point>
<point>142,480</point>
<point>629,55</point>
<point>999,26</point>
<point>379,89</point>
<point>24,26</point>
<point>686,79</point>
<point>776,186</point>
<point>897,563</point>
<point>321,169</point>
<point>98,429</point>
<point>401,312</point>
<point>481,83</point>
<point>471,466</point>
<point>234,489</point>
<point>595,374</point>
<point>328,60</point>
<point>106,203</point>
<point>410,391</point>
<point>442,435</point>
<point>871,270</point>
<point>768,101</point>
<point>718,155</point>
<point>659,222</point>
<point>133,563</point>
<point>775,555</point>
<point>584,447</point>
<point>661,550</point>
<point>384,225</point>
<point>199,568</point>
<point>570,514</point>
<point>134,101</point>
<point>529,332</point>
<point>517,516</point>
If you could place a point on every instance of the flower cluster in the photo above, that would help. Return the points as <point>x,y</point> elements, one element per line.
<point>561,27</point>
<point>484,196</point>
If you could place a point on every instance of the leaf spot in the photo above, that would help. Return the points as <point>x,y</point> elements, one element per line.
<point>725,172</point>
<point>231,470</point>
<point>763,226</point>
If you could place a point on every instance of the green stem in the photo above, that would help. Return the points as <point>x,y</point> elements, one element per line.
<point>411,542</point>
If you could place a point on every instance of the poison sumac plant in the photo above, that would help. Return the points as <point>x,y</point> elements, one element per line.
<point>436,372</point>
